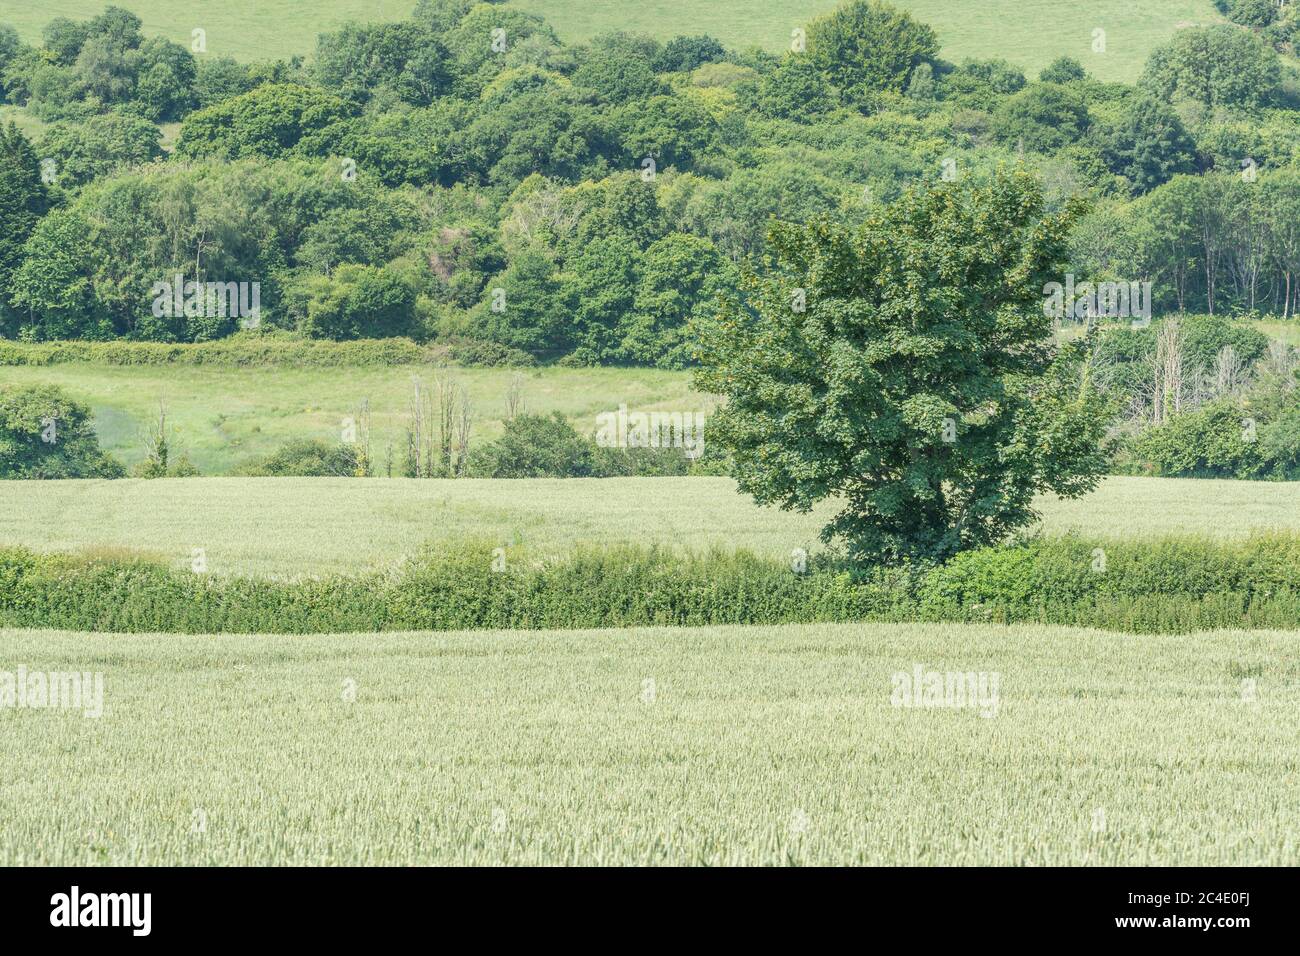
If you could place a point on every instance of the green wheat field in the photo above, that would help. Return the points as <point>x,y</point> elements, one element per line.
<point>658,746</point>
<point>294,527</point>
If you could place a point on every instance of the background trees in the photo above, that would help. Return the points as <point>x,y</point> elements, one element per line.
<point>1214,66</point>
<point>1149,145</point>
<point>274,120</point>
<point>1044,117</point>
<point>23,200</point>
<point>462,159</point>
<point>100,146</point>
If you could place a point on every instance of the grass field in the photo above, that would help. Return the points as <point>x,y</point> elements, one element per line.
<point>728,745</point>
<point>1288,331</point>
<point>290,527</point>
<point>1030,33</point>
<point>31,127</point>
<point>221,417</point>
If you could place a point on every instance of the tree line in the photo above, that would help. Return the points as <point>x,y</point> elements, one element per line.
<point>466,174</point>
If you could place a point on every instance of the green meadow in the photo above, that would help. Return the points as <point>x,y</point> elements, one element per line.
<point>1030,33</point>
<point>222,417</point>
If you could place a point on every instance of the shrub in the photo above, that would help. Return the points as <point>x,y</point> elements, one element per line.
<point>1204,337</point>
<point>1211,442</point>
<point>1167,586</point>
<point>156,467</point>
<point>359,302</point>
<point>1064,69</point>
<point>795,90</point>
<point>263,350</point>
<point>485,354</point>
<point>1279,446</point>
<point>1045,117</point>
<point>45,434</point>
<point>540,446</point>
<point>536,446</point>
<point>683,54</point>
<point>1250,13</point>
<point>309,458</point>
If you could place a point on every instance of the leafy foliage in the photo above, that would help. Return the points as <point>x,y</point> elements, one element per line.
<point>23,200</point>
<point>866,46</point>
<point>46,434</point>
<point>906,369</point>
<point>309,458</point>
<point>1215,66</point>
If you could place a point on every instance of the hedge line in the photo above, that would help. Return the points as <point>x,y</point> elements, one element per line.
<point>262,350</point>
<point>1153,588</point>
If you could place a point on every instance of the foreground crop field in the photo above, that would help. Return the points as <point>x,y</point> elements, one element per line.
<point>288,527</point>
<point>728,745</point>
<point>1030,33</point>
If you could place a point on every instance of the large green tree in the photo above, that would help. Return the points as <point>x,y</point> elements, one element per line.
<point>866,46</point>
<point>1043,117</point>
<point>273,120</point>
<point>1216,66</point>
<point>1149,145</point>
<point>906,369</point>
<point>101,146</point>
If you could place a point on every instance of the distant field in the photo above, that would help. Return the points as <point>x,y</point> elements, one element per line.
<point>1030,33</point>
<point>1288,332</point>
<point>32,127</point>
<point>221,417</point>
<point>289,527</point>
<point>658,746</point>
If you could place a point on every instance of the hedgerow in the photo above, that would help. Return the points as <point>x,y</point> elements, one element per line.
<point>1163,587</point>
<point>263,350</point>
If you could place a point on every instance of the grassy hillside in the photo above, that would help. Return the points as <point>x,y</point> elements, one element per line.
<point>1030,33</point>
<point>289,527</point>
<point>713,746</point>
<point>221,417</point>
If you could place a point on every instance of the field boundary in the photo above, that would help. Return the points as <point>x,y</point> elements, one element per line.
<point>243,351</point>
<point>1173,586</point>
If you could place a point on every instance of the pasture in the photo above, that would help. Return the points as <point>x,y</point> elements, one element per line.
<point>290,527</point>
<point>222,417</point>
<point>1029,33</point>
<point>658,746</point>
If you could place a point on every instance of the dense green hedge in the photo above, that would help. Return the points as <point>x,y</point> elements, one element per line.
<point>260,350</point>
<point>1166,586</point>
<point>1163,587</point>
